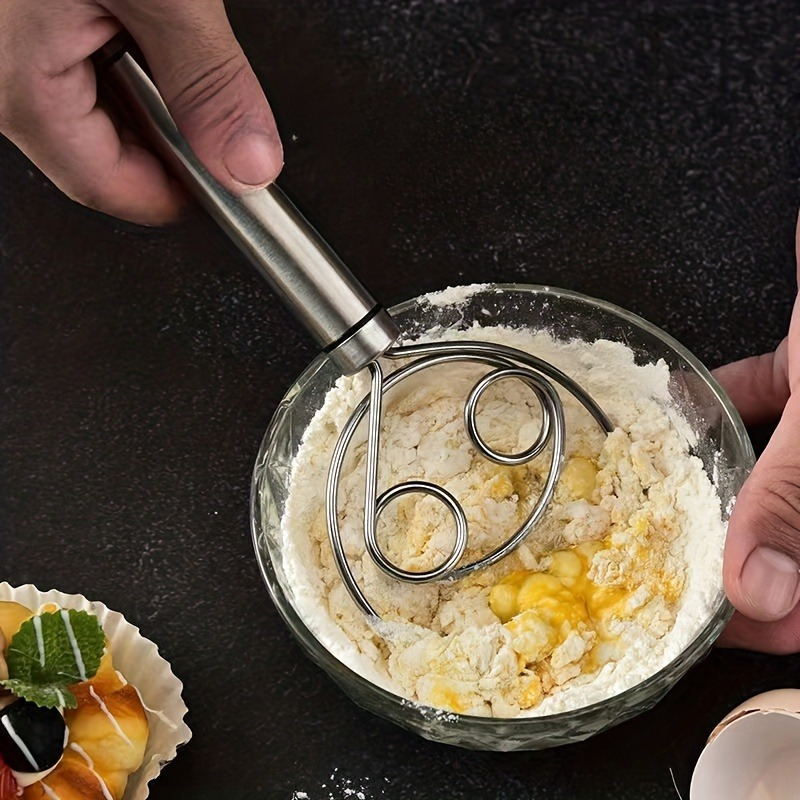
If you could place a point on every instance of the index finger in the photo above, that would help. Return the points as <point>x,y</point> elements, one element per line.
<point>50,111</point>
<point>780,637</point>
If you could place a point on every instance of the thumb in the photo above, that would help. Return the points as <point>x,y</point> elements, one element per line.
<point>208,85</point>
<point>762,549</point>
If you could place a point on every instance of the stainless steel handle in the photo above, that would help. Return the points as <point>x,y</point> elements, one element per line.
<point>346,321</point>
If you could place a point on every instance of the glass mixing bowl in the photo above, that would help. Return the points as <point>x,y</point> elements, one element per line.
<point>722,445</point>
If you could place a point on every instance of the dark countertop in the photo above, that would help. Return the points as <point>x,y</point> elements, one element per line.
<point>645,153</point>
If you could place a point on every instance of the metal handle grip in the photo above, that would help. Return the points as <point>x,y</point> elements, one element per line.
<point>346,321</point>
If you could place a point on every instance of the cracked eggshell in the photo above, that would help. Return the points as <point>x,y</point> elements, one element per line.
<point>754,753</point>
<point>139,661</point>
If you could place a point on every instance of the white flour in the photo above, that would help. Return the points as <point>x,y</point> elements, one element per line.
<point>648,522</point>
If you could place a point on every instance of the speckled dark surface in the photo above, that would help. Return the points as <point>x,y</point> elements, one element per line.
<point>646,153</point>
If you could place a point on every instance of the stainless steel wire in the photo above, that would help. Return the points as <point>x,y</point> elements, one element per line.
<point>506,363</point>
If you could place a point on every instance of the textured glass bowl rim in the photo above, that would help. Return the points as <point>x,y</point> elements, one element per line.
<point>690,655</point>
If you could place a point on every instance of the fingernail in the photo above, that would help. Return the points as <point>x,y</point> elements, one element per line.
<point>770,581</point>
<point>250,159</point>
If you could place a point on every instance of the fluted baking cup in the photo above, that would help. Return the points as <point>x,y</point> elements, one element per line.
<point>138,660</point>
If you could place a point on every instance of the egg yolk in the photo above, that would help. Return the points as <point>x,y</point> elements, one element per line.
<point>542,608</point>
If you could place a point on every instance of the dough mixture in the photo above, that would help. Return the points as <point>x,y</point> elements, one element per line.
<point>619,576</point>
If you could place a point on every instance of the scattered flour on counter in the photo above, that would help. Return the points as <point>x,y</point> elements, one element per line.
<point>339,787</point>
<point>619,576</point>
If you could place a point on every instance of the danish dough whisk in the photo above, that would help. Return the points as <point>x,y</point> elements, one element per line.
<point>355,331</point>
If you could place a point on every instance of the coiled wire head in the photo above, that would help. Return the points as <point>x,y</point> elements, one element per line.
<point>506,363</point>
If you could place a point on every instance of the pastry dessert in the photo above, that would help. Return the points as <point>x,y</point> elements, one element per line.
<point>71,726</point>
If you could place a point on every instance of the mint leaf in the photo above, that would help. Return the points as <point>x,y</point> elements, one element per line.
<point>47,695</point>
<point>52,651</point>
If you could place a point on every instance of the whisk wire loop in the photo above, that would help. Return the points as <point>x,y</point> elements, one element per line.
<point>471,409</point>
<point>447,566</point>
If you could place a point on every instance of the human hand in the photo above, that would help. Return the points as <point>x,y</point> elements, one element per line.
<point>49,108</point>
<point>762,551</point>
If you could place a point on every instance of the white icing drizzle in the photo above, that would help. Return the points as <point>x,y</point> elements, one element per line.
<point>110,716</point>
<point>158,714</point>
<point>49,792</point>
<point>83,754</point>
<point>89,763</point>
<point>60,696</point>
<point>76,651</point>
<point>37,626</point>
<point>19,743</point>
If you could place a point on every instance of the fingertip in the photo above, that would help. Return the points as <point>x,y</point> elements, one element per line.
<point>758,385</point>
<point>153,204</point>
<point>767,588</point>
<point>140,189</point>
<point>253,160</point>
<point>169,207</point>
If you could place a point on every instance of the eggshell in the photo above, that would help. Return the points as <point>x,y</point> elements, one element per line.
<point>754,753</point>
<point>138,659</point>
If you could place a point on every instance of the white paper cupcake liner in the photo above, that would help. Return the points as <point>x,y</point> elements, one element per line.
<point>138,660</point>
